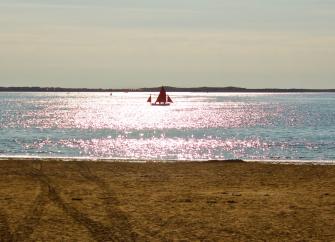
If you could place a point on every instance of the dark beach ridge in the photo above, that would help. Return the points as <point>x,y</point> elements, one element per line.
<point>107,201</point>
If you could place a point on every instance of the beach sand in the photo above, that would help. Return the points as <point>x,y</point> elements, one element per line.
<point>226,201</point>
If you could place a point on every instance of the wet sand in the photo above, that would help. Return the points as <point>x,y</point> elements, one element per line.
<point>227,201</point>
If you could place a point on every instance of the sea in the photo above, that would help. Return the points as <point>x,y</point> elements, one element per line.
<point>275,127</point>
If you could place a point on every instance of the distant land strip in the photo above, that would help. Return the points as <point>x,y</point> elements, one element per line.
<point>156,89</point>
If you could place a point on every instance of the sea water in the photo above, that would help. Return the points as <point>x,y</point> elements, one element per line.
<point>197,126</point>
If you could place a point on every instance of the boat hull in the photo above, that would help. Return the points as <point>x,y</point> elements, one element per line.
<point>160,104</point>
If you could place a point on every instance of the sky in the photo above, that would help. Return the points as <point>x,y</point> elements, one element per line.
<point>184,43</point>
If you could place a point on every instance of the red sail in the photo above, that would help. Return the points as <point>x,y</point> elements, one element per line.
<point>149,99</point>
<point>162,96</point>
<point>169,99</point>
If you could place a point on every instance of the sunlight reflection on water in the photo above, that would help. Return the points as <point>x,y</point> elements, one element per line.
<point>197,126</point>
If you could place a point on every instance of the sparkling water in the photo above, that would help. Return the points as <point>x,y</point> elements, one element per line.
<point>197,126</point>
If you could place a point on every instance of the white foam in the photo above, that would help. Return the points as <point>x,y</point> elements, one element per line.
<point>114,159</point>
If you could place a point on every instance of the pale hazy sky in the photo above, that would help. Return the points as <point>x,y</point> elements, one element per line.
<point>132,43</point>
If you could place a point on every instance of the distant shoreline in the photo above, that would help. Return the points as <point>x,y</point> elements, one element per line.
<point>168,88</point>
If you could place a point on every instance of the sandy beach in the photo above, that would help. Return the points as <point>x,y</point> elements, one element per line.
<point>214,201</point>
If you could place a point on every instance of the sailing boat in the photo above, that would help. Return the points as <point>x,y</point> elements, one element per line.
<point>162,99</point>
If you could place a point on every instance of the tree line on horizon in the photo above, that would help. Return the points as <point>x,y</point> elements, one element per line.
<point>156,89</point>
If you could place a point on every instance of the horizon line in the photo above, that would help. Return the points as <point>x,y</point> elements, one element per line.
<point>169,88</point>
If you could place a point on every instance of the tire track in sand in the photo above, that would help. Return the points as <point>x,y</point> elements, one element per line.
<point>26,227</point>
<point>117,217</point>
<point>32,219</point>
<point>99,231</point>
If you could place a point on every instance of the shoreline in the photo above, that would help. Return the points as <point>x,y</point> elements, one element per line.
<point>135,160</point>
<point>105,201</point>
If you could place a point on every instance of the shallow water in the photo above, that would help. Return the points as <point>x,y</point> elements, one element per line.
<point>197,126</point>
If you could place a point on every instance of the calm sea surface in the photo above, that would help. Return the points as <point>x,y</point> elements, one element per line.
<point>197,126</point>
